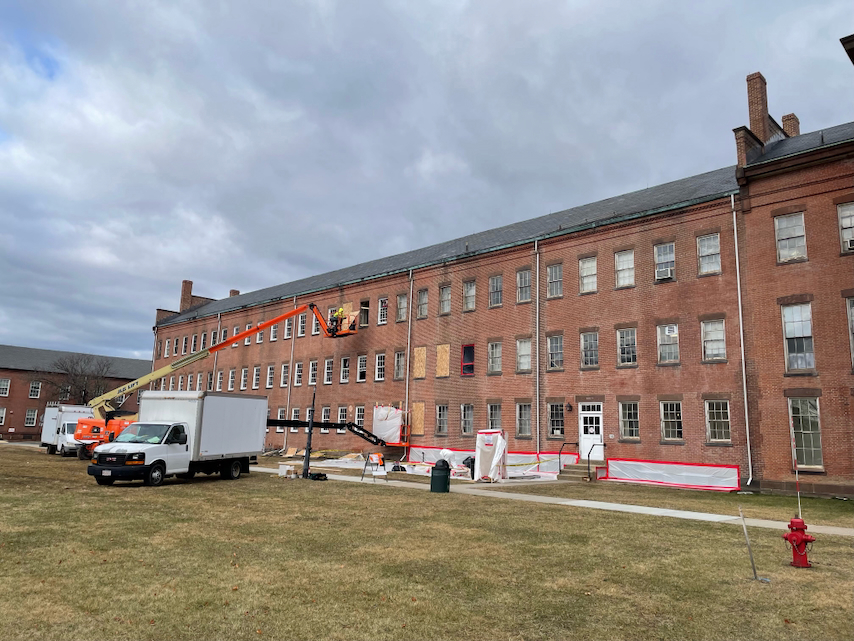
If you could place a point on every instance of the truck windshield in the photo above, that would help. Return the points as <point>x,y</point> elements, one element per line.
<point>143,433</point>
<point>70,427</point>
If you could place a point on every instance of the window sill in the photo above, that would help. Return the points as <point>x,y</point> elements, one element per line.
<point>817,470</point>
<point>793,261</point>
<point>440,435</point>
<point>499,306</point>
<point>629,366</point>
<point>555,437</point>
<point>629,440</point>
<point>589,369</point>
<point>616,289</point>
<point>379,380</point>
<point>379,324</point>
<point>398,378</point>
<point>523,371</point>
<point>523,302</point>
<point>343,382</point>
<point>710,274</point>
<point>846,254</point>
<point>668,364</point>
<point>714,361</point>
<point>808,373</point>
<point>465,376</point>
<point>718,444</point>
<point>554,369</point>
<point>448,376</point>
<point>443,314</point>
<point>673,442</point>
<point>525,437</point>
<point>466,435</point>
<point>365,381</point>
<point>469,311</point>
<point>494,373</point>
<point>588,293</point>
<point>554,297</point>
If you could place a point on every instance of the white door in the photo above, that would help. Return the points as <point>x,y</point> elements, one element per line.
<point>178,454</point>
<point>590,432</point>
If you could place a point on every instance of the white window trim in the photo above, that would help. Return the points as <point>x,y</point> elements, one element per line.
<point>700,271</point>
<point>617,270</point>
<point>284,374</point>
<point>661,419</point>
<point>792,432</point>
<point>341,419</point>
<point>703,340</point>
<point>382,311</point>
<point>777,239</point>
<point>709,438</point>
<point>344,376</point>
<point>786,342</point>
<point>620,420</point>
<point>659,343</point>
<point>271,376</point>
<point>297,374</point>
<point>312,372</point>
<point>379,371</point>
<point>328,370</point>
<point>588,289</point>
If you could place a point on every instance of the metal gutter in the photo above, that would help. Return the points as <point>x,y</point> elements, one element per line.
<point>741,342</point>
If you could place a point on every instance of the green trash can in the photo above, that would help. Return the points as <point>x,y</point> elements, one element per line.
<point>440,477</point>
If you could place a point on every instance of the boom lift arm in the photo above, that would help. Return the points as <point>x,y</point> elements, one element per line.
<point>104,403</point>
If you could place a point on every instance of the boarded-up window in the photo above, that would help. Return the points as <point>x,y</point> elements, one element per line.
<point>443,359</point>
<point>418,419</point>
<point>419,362</point>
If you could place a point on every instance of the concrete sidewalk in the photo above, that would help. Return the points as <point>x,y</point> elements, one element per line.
<point>593,505</point>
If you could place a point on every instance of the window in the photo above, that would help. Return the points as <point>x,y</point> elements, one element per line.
<point>791,237</point>
<point>467,419</point>
<point>235,333</point>
<point>219,377</point>
<point>445,299</point>
<point>469,295</point>
<point>496,283</point>
<point>422,303</point>
<point>360,416</point>
<point>493,412</point>
<point>248,339</point>
<point>709,254</point>
<point>467,364</point>
<point>175,347</point>
<point>493,358</point>
<point>281,415</point>
<point>523,419</point>
<point>665,261</point>
<point>271,375</point>
<point>166,349</point>
<point>199,381</point>
<point>224,336</point>
<point>806,429</point>
<point>30,418</point>
<point>274,332</point>
<point>364,313</point>
<point>213,337</point>
<point>324,418</point>
<point>35,389</point>
<point>294,417</point>
<point>850,302</point>
<point>590,349</point>
<point>523,286</point>
<point>671,420</point>
<point>554,275</point>
<point>362,368</point>
<point>181,382</point>
<point>379,370</point>
<point>194,344</point>
<point>2,415</point>
<point>399,364</point>
<point>259,337</point>
<point>315,325</point>
<point>309,416</point>
<point>256,377</point>
<point>555,350</point>
<point>628,346</point>
<point>298,374</point>
<point>401,307</point>
<point>328,364</point>
<point>301,325</point>
<point>587,275</point>
<point>714,340</point>
<point>184,346</point>
<point>624,268</point>
<point>289,327</point>
<point>441,419</point>
<point>846,226</point>
<point>312,372</point>
<point>629,424</point>
<point>382,311</point>
<point>523,355</point>
<point>232,374</point>
<point>4,386</point>
<point>204,342</point>
<point>556,419</point>
<point>345,369</point>
<point>171,383</point>
<point>342,418</point>
<point>668,343</point>
<point>797,326</point>
<point>244,378</point>
<point>717,420</point>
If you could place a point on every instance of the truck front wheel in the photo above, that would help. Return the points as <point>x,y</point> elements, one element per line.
<point>51,449</point>
<point>155,475</point>
<point>102,481</point>
<point>231,470</point>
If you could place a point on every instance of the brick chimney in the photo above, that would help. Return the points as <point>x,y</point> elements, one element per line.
<point>186,295</point>
<point>791,125</point>
<point>233,292</point>
<point>757,106</point>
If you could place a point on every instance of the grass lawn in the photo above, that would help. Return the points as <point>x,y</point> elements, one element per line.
<point>264,557</point>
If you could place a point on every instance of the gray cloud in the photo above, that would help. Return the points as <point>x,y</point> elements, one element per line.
<point>244,145</point>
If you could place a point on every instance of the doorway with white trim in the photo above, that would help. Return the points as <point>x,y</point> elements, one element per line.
<point>590,439</point>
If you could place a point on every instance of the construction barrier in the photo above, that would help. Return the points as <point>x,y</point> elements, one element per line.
<point>518,463</point>
<point>697,476</point>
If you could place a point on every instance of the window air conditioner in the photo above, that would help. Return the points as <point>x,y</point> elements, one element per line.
<point>849,244</point>
<point>664,273</point>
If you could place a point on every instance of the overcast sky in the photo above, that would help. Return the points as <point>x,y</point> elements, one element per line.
<point>246,144</point>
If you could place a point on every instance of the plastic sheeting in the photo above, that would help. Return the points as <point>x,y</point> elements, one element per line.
<point>723,478</point>
<point>387,423</point>
<point>489,461</point>
<point>519,464</point>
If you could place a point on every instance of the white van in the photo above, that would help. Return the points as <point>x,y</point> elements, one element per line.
<point>182,433</point>
<point>58,427</point>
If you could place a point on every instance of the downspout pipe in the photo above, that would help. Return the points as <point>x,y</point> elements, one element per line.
<point>537,339</point>
<point>408,347</point>
<point>741,341</point>
<point>218,337</point>
<point>290,371</point>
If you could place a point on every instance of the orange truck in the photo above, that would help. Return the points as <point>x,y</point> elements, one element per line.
<point>92,432</point>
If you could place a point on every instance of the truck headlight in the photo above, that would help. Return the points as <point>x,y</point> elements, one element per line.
<point>135,459</point>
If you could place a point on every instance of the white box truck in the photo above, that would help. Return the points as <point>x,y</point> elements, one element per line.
<point>182,433</point>
<point>58,425</point>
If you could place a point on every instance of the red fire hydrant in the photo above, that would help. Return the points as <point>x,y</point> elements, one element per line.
<point>798,539</point>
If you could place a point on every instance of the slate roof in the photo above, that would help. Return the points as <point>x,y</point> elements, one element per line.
<point>673,195</point>
<point>669,196</point>
<point>28,359</point>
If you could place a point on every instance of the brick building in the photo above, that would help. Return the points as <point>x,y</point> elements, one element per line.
<point>29,380</point>
<point>614,326</point>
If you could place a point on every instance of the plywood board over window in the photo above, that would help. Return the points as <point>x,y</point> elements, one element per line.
<point>348,309</point>
<point>419,362</point>
<point>443,359</point>
<point>418,419</point>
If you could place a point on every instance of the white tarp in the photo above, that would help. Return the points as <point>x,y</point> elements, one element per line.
<point>519,464</point>
<point>490,459</point>
<point>701,477</point>
<point>387,422</point>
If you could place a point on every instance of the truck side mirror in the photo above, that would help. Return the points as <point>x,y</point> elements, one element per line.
<point>112,436</point>
<point>182,439</point>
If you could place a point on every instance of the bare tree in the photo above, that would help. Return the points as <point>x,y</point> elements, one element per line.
<point>77,378</point>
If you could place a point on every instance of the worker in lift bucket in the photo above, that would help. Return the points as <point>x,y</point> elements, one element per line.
<point>337,320</point>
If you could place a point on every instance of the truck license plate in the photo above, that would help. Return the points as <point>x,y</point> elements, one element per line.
<point>106,472</point>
